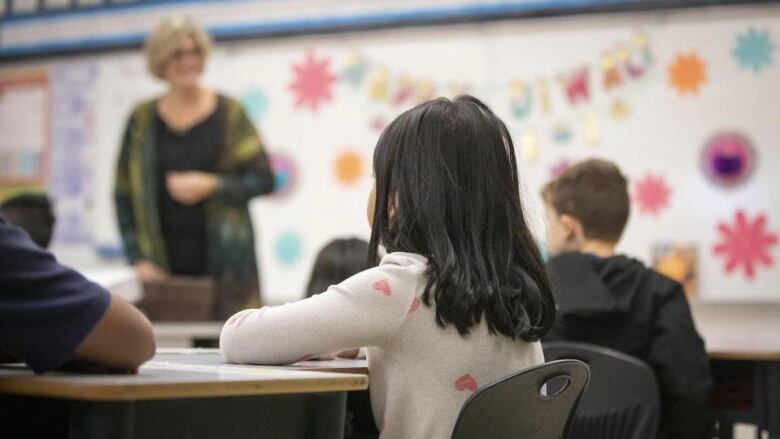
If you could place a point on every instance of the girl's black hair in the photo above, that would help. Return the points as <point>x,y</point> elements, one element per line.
<point>339,260</point>
<point>447,188</point>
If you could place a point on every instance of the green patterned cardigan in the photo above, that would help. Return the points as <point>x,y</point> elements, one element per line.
<point>243,172</point>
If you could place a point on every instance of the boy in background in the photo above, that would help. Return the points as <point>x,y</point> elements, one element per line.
<point>33,213</point>
<point>615,301</point>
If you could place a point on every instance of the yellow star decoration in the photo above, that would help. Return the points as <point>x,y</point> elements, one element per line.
<point>687,73</point>
<point>529,148</point>
<point>619,110</point>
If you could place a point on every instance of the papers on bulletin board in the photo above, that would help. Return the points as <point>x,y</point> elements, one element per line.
<point>24,144</point>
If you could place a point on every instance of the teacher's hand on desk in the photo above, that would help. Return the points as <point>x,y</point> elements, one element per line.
<point>190,187</point>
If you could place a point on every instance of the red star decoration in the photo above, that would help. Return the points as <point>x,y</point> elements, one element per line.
<point>312,82</point>
<point>378,124</point>
<point>745,244</point>
<point>652,194</point>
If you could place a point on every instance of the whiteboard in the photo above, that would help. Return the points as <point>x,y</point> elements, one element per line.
<point>647,125</point>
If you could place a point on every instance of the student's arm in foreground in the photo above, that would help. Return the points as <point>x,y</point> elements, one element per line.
<point>50,314</point>
<point>122,339</point>
<point>365,310</point>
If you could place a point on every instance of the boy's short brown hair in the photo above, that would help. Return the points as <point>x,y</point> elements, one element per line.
<point>595,193</point>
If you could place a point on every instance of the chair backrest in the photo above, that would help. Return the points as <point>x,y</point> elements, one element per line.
<point>622,398</point>
<point>518,406</point>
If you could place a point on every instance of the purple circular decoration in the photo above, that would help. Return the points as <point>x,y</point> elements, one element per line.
<point>285,174</point>
<point>728,159</point>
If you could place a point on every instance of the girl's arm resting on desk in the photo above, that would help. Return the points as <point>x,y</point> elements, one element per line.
<point>365,310</point>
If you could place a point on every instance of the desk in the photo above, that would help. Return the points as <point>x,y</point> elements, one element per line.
<point>762,349</point>
<point>193,358</point>
<point>169,400</point>
<point>184,334</point>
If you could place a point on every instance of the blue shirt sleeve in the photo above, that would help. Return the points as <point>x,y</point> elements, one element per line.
<point>46,309</point>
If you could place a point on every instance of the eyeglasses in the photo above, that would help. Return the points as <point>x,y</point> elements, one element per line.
<point>180,54</point>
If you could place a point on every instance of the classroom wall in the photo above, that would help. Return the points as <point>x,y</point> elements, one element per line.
<point>684,78</point>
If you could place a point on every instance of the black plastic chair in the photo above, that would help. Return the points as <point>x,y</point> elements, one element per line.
<point>517,406</point>
<point>622,400</point>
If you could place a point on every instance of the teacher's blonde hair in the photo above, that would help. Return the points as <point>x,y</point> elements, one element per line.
<point>166,38</point>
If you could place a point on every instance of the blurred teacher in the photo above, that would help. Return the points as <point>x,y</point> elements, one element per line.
<point>189,164</point>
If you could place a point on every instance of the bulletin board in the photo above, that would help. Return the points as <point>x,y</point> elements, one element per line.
<point>686,102</point>
<point>24,124</point>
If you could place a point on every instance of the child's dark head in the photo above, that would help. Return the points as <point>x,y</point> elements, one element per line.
<point>587,202</point>
<point>447,188</point>
<point>33,213</point>
<point>337,261</point>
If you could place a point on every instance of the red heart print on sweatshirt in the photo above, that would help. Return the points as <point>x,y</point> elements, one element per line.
<point>238,318</point>
<point>415,304</point>
<point>466,382</point>
<point>382,286</point>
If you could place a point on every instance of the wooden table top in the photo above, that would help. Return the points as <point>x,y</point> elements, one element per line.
<point>189,329</point>
<point>743,348</point>
<point>720,345</point>
<point>736,345</point>
<point>192,373</point>
<point>212,357</point>
<point>161,379</point>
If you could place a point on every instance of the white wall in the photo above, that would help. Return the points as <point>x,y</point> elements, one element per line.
<point>663,133</point>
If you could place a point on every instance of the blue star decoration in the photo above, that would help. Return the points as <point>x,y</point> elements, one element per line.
<point>754,50</point>
<point>288,248</point>
<point>255,103</point>
<point>354,73</point>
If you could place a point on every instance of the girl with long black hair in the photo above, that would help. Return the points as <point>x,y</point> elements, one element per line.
<point>461,297</point>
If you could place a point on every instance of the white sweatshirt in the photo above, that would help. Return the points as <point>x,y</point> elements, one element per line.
<point>420,374</point>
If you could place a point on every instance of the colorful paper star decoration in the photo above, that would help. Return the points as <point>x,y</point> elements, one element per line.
<point>591,128</point>
<point>378,124</point>
<point>348,167</point>
<point>355,71</point>
<point>754,50</point>
<point>255,102</point>
<point>559,167</point>
<point>687,73</point>
<point>288,248</point>
<point>285,174</point>
<point>745,244</point>
<point>312,82</point>
<point>651,194</point>
<point>619,109</point>
<point>728,159</point>
<point>529,147</point>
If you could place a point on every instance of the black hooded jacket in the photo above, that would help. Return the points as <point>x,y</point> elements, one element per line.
<point>619,303</point>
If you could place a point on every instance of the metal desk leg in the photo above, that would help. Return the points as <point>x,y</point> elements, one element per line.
<point>102,420</point>
<point>329,411</point>
<point>772,376</point>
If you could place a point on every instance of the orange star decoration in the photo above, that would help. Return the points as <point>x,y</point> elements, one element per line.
<point>348,167</point>
<point>687,73</point>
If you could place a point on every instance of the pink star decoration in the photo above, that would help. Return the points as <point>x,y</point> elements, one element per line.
<point>745,243</point>
<point>312,82</point>
<point>652,194</point>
